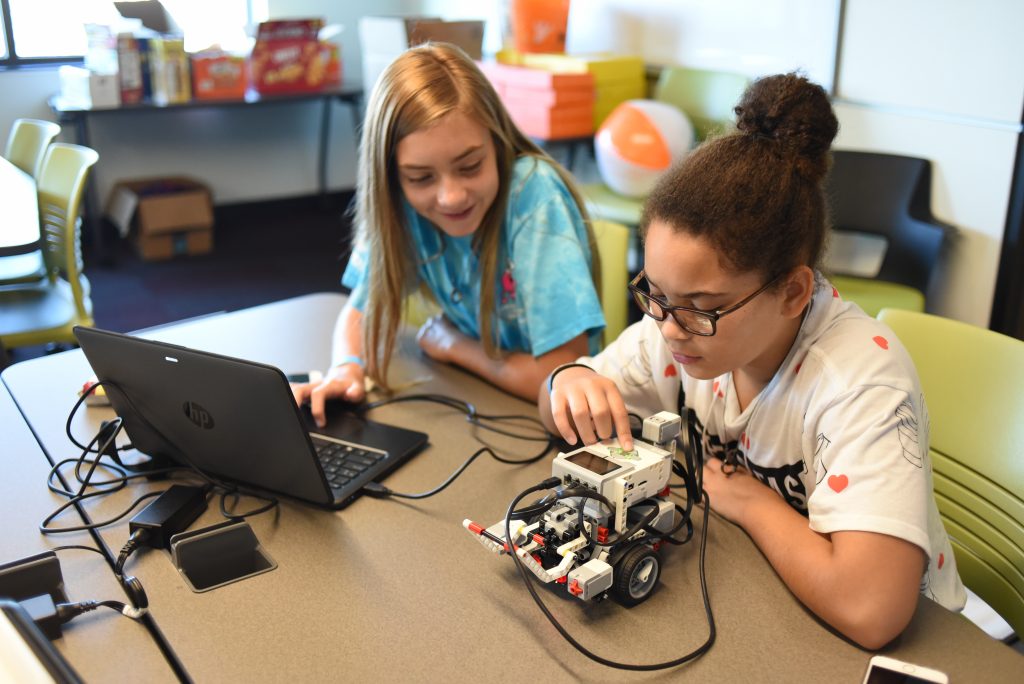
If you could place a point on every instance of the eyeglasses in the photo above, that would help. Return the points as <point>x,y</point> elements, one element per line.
<point>695,321</point>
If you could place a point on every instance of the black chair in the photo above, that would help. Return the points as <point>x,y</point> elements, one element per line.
<point>886,196</point>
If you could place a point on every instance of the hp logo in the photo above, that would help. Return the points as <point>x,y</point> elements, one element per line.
<point>198,415</point>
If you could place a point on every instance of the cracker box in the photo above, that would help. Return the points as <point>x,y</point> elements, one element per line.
<point>289,57</point>
<point>218,75</point>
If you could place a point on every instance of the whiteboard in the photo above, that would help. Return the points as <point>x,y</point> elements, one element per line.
<point>751,37</point>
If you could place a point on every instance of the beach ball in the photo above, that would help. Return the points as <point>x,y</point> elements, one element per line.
<point>638,142</point>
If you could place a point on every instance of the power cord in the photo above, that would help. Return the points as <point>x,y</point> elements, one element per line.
<point>50,616</point>
<point>108,448</point>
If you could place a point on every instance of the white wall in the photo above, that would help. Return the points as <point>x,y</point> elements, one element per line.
<point>752,37</point>
<point>943,80</point>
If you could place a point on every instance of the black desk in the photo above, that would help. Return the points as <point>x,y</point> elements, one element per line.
<point>69,114</point>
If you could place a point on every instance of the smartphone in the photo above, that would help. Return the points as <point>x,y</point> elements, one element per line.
<point>884,670</point>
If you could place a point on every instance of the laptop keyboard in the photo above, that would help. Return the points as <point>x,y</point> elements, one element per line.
<point>343,463</point>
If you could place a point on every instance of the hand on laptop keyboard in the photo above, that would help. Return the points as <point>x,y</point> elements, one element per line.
<point>345,382</point>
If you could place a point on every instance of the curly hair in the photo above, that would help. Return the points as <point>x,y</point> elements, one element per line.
<point>756,194</point>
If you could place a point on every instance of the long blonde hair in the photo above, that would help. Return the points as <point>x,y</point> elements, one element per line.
<point>418,88</point>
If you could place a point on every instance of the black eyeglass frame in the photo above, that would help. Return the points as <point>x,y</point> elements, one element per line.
<point>666,308</point>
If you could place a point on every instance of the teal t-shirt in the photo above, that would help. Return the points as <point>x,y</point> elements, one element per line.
<point>545,294</point>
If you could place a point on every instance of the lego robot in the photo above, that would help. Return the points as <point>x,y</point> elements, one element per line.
<point>599,532</point>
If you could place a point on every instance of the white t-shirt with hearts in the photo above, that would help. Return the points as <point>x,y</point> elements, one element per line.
<point>840,432</point>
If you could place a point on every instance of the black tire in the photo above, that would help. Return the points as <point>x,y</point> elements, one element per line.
<point>636,575</point>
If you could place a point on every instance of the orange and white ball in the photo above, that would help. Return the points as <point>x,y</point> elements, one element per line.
<point>638,142</point>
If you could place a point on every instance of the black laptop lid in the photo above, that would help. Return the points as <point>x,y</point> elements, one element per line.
<point>226,416</point>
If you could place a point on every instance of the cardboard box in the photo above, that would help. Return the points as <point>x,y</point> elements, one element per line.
<point>129,63</point>
<point>553,123</point>
<point>289,57</point>
<point>617,78</point>
<point>217,75</point>
<point>166,217</point>
<point>384,38</point>
<point>87,89</point>
<point>169,71</point>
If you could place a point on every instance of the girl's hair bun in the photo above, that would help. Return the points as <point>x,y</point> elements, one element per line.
<point>794,113</point>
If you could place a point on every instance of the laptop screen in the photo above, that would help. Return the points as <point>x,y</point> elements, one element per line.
<point>228,417</point>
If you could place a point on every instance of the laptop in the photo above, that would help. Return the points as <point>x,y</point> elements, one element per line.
<point>237,420</point>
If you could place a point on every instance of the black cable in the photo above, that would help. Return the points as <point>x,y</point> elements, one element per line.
<point>228,489</point>
<point>528,581</point>
<point>78,547</point>
<point>691,470</point>
<point>46,529</point>
<point>128,549</point>
<point>68,611</point>
<point>472,415</point>
<point>475,418</point>
<point>107,435</point>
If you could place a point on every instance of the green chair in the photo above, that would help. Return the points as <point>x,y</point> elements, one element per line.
<point>972,379</point>
<point>46,312</point>
<point>613,247</point>
<point>706,97</point>
<point>419,307</point>
<point>884,199</point>
<point>27,142</point>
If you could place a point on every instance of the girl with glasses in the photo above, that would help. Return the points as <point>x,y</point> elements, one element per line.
<point>815,431</point>
<point>452,200</point>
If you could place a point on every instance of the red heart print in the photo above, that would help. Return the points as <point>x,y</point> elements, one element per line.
<point>835,292</point>
<point>714,387</point>
<point>838,482</point>
<point>670,371</point>
<point>881,341</point>
<point>797,369</point>
<point>942,560</point>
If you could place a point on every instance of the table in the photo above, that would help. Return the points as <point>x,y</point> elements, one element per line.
<point>71,114</point>
<point>19,224</point>
<point>399,590</point>
<point>87,576</point>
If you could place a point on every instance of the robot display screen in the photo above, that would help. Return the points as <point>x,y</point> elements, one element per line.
<point>593,463</point>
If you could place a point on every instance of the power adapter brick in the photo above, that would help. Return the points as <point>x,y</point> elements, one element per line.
<point>172,512</point>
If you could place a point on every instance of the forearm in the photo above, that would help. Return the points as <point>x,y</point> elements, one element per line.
<point>865,585</point>
<point>517,373</point>
<point>348,335</point>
